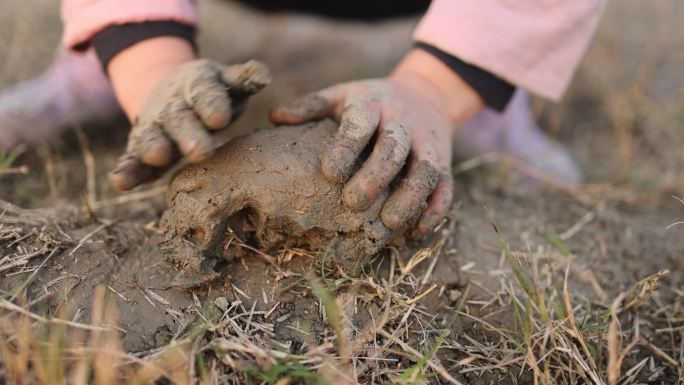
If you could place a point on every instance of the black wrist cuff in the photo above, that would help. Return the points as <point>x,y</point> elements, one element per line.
<point>112,40</point>
<point>495,91</point>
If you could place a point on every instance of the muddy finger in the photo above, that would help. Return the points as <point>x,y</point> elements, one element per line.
<point>307,108</point>
<point>193,141</point>
<point>248,78</point>
<point>208,97</point>
<point>132,172</point>
<point>438,206</point>
<point>357,125</point>
<point>154,147</point>
<point>378,171</point>
<point>406,204</point>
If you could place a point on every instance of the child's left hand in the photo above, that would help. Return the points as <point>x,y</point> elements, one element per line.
<point>413,116</point>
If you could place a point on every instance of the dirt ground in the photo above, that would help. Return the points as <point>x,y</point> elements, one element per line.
<point>494,275</point>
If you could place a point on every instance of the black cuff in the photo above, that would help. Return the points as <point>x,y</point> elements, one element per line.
<point>112,40</point>
<point>495,91</point>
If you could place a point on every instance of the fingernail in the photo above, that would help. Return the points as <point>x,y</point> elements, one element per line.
<point>191,145</point>
<point>355,197</point>
<point>119,180</point>
<point>195,152</point>
<point>331,170</point>
<point>391,218</point>
<point>157,157</point>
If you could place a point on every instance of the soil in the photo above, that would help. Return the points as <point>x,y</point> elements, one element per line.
<point>267,189</point>
<point>124,257</point>
<point>155,299</point>
<point>155,302</point>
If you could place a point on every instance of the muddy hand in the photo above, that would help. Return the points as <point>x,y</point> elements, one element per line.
<point>179,116</point>
<point>412,133</point>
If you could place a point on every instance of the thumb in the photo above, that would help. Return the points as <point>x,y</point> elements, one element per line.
<point>313,106</point>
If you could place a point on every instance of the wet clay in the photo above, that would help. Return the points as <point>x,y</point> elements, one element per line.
<point>267,190</point>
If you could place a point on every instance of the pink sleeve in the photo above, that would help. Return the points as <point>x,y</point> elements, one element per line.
<point>84,18</point>
<point>535,45</point>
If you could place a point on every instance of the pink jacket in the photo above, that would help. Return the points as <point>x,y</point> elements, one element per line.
<point>534,44</point>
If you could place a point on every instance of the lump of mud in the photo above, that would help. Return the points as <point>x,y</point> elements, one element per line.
<point>266,190</point>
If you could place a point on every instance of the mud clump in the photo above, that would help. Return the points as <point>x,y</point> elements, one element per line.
<point>267,190</point>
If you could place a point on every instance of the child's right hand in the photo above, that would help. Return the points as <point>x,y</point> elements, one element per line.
<point>179,114</point>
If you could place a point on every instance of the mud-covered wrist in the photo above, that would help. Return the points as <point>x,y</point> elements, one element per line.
<point>439,85</point>
<point>136,71</point>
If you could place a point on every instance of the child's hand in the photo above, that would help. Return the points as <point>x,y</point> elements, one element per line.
<point>413,119</point>
<point>179,114</point>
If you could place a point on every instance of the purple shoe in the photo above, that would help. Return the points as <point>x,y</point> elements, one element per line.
<point>515,133</point>
<point>73,91</point>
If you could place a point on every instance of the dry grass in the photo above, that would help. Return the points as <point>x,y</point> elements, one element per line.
<point>567,339</point>
<point>534,329</point>
<point>7,159</point>
<point>36,350</point>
